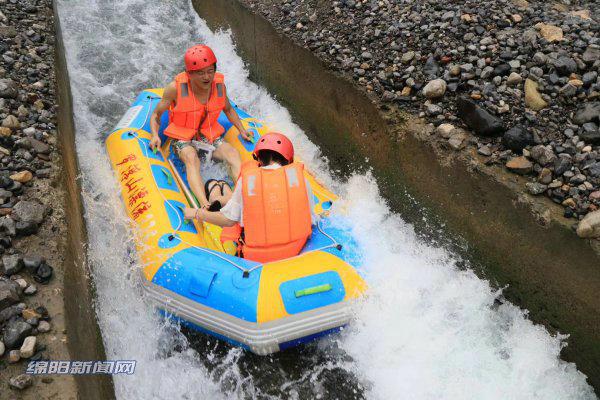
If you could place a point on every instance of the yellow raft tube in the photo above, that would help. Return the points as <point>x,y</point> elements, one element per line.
<point>197,280</point>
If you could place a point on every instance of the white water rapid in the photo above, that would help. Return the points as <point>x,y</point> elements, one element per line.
<point>428,330</point>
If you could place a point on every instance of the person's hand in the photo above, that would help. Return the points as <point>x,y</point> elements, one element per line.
<point>155,142</point>
<point>190,213</point>
<point>247,135</point>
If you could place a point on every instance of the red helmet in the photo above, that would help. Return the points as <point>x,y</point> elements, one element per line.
<point>276,142</point>
<point>198,57</point>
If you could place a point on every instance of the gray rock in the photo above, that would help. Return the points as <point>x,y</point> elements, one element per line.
<point>39,146</point>
<point>535,188</point>
<point>30,290</point>
<point>593,170</point>
<point>387,96</point>
<point>568,90</point>
<point>5,195</point>
<point>478,119</point>
<point>514,79</point>
<point>590,55</point>
<point>7,224</point>
<point>29,211</point>
<point>25,228</point>
<point>9,293</point>
<point>434,109</point>
<point>15,332</point>
<point>435,89</point>
<point>577,179</point>
<point>12,264</point>
<point>540,58</point>
<point>590,133</point>
<point>8,89</point>
<point>445,130</point>
<point>20,382</point>
<point>502,69</point>
<point>487,72</point>
<point>589,112</point>
<point>431,68</point>
<point>12,311</point>
<point>562,164</point>
<point>517,138</point>
<point>515,64</point>
<point>589,78</point>
<point>485,151</point>
<point>467,67</point>
<point>366,55</point>
<point>565,66</point>
<point>407,57</point>
<point>32,263</point>
<point>44,327</point>
<point>457,141</point>
<point>448,16</point>
<point>11,122</point>
<point>544,155</point>
<point>28,347</point>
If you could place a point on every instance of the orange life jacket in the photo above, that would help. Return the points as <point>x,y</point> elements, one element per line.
<point>188,114</point>
<point>276,212</point>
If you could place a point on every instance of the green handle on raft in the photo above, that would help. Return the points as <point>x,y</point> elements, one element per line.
<point>313,290</point>
<point>168,176</point>
<point>154,150</point>
<point>185,221</point>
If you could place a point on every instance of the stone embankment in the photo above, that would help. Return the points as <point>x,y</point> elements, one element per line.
<point>32,225</point>
<point>516,81</point>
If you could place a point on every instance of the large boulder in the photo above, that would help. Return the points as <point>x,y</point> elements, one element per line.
<point>9,293</point>
<point>12,264</point>
<point>29,212</point>
<point>478,119</point>
<point>517,138</point>
<point>589,227</point>
<point>544,155</point>
<point>15,332</point>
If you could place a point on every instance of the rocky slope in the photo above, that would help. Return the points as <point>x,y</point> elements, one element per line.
<point>522,77</point>
<point>32,227</point>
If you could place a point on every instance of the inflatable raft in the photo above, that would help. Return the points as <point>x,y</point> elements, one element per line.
<point>199,281</point>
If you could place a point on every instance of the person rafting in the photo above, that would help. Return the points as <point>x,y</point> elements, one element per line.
<point>195,99</point>
<point>271,206</point>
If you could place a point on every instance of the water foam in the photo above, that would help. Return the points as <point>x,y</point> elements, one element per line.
<point>428,328</point>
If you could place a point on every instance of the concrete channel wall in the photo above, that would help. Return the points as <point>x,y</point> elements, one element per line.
<point>515,240</point>
<point>85,340</point>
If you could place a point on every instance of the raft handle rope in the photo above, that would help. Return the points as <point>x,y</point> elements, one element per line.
<point>245,272</point>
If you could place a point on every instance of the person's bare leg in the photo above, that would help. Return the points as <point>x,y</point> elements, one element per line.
<point>189,156</point>
<point>229,154</point>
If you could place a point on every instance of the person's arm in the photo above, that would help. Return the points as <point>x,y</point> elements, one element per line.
<point>214,217</point>
<point>234,118</point>
<point>169,96</point>
<point>230,214</point>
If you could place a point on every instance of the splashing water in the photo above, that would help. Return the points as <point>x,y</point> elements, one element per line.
<point>428,330</point>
